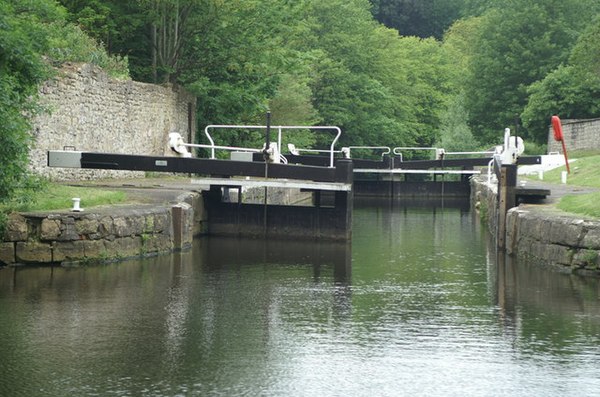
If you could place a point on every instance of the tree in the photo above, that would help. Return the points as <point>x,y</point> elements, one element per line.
<point>421,18</point>
<point>380,88</point>
<point>122,27</point>
<point>94,17</point>
<point>571,91</point>
<point>455,134</point>
<point>34,35</point>
<point>326,61</point>
<point>22,69</point>
<point>519,43</point>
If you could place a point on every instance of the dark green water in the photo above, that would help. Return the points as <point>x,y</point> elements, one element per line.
<point>417,305</point>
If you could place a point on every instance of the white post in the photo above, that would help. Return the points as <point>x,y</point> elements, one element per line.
<point>76,202</point>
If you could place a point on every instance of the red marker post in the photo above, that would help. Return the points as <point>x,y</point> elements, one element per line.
<point>558,136</point>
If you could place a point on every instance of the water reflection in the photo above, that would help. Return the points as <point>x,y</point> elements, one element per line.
<point>558,313</point>
<point>418,304</point>
<point>220,253</point>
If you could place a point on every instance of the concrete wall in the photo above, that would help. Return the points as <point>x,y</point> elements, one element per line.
<point>89,111</point>
<point>578,134</point>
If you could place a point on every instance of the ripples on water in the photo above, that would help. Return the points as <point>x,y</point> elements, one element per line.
<point>415,306</point>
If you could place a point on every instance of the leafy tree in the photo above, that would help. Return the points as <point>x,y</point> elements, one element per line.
<point>95,17</point>
<point>380,88</point>
<point>305,60</point>
<point>572,91</point>
<point>421,18</point>
<point>122,27</point>
<point>33,36</point>
<point>237,64</point>
<point>519,43</point>
<point>22,69</point>
<point>292,105</point>
<point>455,134</point>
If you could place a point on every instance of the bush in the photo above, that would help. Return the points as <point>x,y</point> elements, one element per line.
<point>22,69</point>
<point>32,32</point>
<point>69,43</point>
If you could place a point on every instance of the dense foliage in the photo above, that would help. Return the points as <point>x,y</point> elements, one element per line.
<point>572,89</point>
<point>421,18</point>
<point>458,68</point>
<point>308,61</point>
<point>518,44</point>
<point>21,70</point>
<point>34,35</point>
<point>453,73</point>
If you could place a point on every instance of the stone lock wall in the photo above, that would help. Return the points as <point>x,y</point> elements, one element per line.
<point>546,236</point>
<point>89,111</point>
<point>108,234</point>
<point>578,135</point>
<point>542,235</point>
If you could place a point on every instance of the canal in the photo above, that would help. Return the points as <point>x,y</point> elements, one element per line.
<point>417,305</point>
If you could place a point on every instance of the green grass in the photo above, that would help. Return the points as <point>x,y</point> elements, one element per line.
<point>58,197</point>
<point>584,172</point>
<point>584,204</point>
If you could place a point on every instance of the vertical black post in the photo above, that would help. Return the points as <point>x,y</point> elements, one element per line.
<point>268,136</point>
<point>517,124</point>
<point>266,157</point>
<point>344,172</point>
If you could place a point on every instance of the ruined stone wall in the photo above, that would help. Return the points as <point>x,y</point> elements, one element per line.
<point>90,111</point>
<point>578,134</point>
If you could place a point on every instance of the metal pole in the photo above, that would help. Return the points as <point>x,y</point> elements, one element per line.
<point>266,157</point>
<point>564,147</point>
<point>268,136</point>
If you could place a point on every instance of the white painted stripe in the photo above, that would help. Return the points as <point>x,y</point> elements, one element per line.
<point>284,183</point>
<point>64,158</point>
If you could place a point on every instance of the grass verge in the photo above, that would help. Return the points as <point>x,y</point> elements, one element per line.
<point>584,172</point>
<point>584,204</point>
<point>58,197</point>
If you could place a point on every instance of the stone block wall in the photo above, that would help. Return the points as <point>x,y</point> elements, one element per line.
<point>103,235</point>
<point>484,199</point>
<point>90,111</point>
<point>542,235</point>
<point>578,134</point>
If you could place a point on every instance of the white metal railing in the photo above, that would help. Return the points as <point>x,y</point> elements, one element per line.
<point>490,171</point>
<point>212,145</point>
<point>297,150</point>
<point>469,153</point>
<point>397,149</point>
<point>347,152</point>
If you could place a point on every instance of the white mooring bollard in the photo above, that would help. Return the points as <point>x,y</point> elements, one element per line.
<point>563,177</point>
<point>76,202</point>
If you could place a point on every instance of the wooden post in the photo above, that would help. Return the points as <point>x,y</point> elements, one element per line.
<point>506,199</point>
<point>344,200</point>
